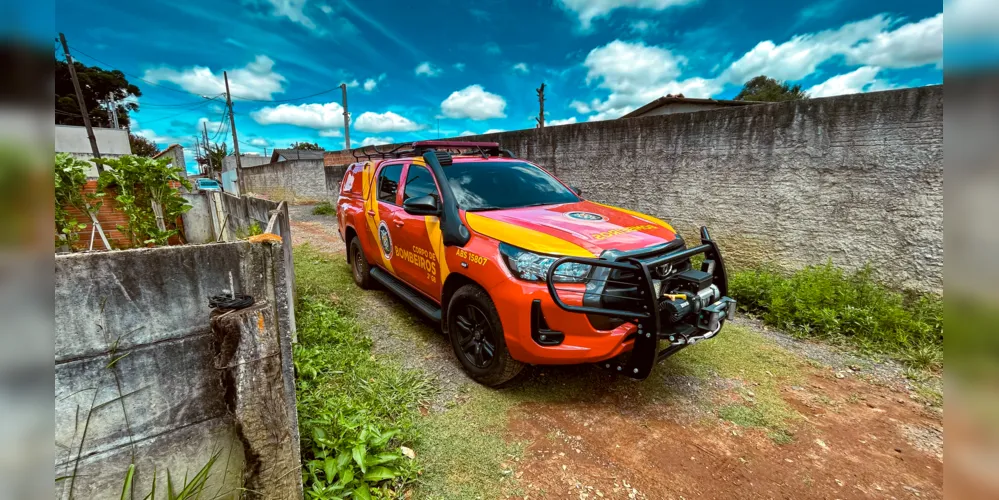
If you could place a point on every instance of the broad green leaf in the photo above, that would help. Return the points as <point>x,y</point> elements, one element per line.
<point>346,476</point>
<point>379,473</point>
<point>381,458</point>
<point>359,453</point>
<point>362,493</point>
<point>381,440</point>
<point>329,467</point>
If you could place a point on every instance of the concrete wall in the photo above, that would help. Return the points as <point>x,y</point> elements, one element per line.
<point>135,364</point>
<point>854,179</point>
<point>294,181</point>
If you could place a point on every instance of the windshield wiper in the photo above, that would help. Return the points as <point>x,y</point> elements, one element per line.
<point>484,209</point>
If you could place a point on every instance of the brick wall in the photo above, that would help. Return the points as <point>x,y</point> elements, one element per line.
<point>110,217</point>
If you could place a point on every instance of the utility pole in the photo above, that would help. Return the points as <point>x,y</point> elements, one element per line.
<point>197,153</point>
<point>235,141</point>
<point>208,156</point>
<point>346,117</point>
<point>541,104</point>
<point>79,100</point>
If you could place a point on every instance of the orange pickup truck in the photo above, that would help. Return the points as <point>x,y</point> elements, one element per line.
<point>518,268</point>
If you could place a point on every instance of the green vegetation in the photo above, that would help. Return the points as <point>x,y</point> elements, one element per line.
<point>765,89</point>
<point>324,208</point>
<point>188,489</point>
<point>828,303</point>
<point>70,179</point>
<point>137,184</point>
<point>356,413</point>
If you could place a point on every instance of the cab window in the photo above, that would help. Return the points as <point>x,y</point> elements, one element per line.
<point>388,183</point>
<point>419,182</point>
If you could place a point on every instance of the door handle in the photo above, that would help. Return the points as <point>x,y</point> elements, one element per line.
<point>371,213</point>
<point>398,223</point>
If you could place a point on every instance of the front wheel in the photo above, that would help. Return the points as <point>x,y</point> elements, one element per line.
<point>476,336</point>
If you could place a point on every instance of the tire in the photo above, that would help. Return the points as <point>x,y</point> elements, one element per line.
<point>359,266</point>
<point>474,329</point>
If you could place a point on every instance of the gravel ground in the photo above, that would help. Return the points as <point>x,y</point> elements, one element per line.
<point>319,231</point>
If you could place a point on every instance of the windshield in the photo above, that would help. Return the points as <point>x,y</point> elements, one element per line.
<point>496,185</point>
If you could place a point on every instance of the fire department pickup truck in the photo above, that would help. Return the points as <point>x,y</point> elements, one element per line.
<point>518,268</point>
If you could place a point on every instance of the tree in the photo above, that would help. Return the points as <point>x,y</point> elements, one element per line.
<point>306,146</point>
<point>766,89</point>
<point>212,158</point>
<point>142,146</point>
<point>98,86</point>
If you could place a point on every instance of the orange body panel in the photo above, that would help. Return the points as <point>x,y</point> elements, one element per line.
<point>411,249</point>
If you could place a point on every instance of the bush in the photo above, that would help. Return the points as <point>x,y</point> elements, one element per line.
<point>356,413</point>
<point>324,208</point>
<point>826,302</point>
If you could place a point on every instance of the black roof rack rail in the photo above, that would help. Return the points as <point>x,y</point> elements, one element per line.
<point>417,148</point>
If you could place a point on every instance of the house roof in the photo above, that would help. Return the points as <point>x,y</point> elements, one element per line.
<point>168,148</point>
<point>296,154</point>
<point>680,99</point>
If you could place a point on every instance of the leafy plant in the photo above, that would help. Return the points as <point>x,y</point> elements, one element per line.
<point>186,490</point>
<point>324,208</point>
<point>765,89</point>
<point>306,146</point>
<point>824,301</point>
<point>70,180</point>
<point>356,413</point>
<point>140,183</point>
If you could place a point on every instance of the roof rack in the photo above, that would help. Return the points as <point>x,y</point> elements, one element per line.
<point>485,149</point>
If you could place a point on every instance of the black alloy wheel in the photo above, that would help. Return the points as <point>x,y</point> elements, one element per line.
<point>476,338</point>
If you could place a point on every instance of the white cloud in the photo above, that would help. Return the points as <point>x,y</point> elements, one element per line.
<point>636,73</point>
<point>580,107</point>
<point>801,55</point>
<point>325,8</point>
<point>494,131</point>
<point>353,83</point>
<point>588,10</point>
<point>642,26</point>
<point>466,133</point>
<point>314,115</point>
<point>566,121</point>
<point>256,80</point>
<point>459,66</point>
<point>427,69</point>
<point>259,142</point>
<point>913,44</point>
<point>292,9</point>
<point>332,132</point>
<point>385,122</point>
<point>375,141</point>
<point>204,123</point>
<point>863,79</point>
<point>475,103</point>
<point>522,67</point>
<point>371,83</point>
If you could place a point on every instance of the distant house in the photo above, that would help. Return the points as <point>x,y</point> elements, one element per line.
<point>176,154</point>
<point>230,181</point>
<point>296,154</point>
<point>670,104</point>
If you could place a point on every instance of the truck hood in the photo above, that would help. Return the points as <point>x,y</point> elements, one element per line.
<point>580,229</point>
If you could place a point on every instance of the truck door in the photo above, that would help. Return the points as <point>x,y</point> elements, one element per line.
<point>417,260</point>
<point>382,213</point>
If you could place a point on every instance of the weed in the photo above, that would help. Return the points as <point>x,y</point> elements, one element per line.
<point>324,208</point>
<point>826,302</point>
<point>356,412</point>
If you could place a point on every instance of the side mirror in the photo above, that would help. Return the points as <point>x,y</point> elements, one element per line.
<point>424,205</point>
<point>578,191</point>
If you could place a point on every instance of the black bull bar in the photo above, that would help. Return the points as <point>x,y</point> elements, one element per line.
<point>641,300</point>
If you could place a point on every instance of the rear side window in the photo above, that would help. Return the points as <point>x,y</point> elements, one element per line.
<point>388,183</point>
<point>419,183</point>
<point>352,180</point>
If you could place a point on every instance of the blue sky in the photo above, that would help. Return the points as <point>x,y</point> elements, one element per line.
<point>412,65</point>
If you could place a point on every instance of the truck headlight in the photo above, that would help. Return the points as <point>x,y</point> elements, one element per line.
<point>532,266</point>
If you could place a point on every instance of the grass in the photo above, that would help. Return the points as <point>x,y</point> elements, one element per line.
<point>356,412</point>
<point>324,208</point>
<point>829,303</point>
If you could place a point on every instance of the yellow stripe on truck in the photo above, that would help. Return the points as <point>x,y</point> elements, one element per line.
<point>640,216</point>
<point>522,237</point>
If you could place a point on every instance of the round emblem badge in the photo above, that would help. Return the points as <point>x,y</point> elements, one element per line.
<point>587,216</point>
<point>385,239</point>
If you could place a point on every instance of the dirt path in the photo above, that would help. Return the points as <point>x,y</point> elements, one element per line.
<point>752,414</point>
